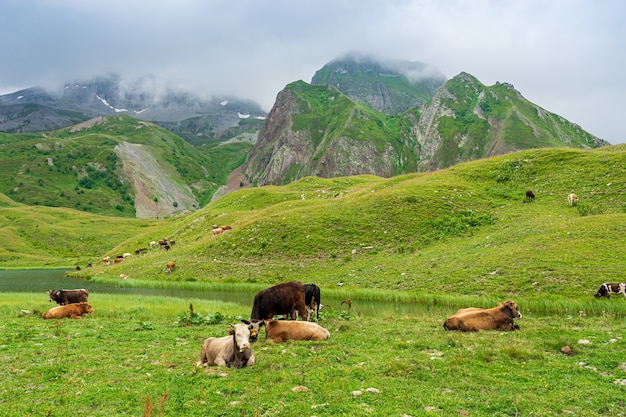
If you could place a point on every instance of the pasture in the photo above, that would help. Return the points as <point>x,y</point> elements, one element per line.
<point>133,356</point>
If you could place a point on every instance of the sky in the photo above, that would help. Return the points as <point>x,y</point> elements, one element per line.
<point>567,56</point>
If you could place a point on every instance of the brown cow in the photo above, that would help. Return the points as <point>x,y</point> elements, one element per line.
<point>232,351</point>
<point>72,311</point>
<point>63,297</point>
<point>170,266</point>
<point>280,299</point>
<point>473,319</point>
<point>282,330</point>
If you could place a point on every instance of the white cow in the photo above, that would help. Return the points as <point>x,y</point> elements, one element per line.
<point>232,351</point>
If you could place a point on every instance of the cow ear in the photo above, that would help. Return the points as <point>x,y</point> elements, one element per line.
<point>231,331</point>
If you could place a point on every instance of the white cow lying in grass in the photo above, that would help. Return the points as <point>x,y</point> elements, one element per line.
<point>232,351</point>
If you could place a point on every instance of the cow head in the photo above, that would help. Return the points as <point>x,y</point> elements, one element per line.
<point>86,307</point>
<point>603,291</point>
<point>54,295</point>
<point>241,335</point>
<point>254,326</point>
<point>512,305</point>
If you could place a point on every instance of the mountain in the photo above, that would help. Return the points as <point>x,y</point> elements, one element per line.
<point>387,86</point>
<point>116,165</point>
<point>316,130</point>
<point>193,118</point>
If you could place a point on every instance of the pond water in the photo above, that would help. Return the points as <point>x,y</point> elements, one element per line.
<point>35,281</point>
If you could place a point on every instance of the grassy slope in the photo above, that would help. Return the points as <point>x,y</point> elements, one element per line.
<point>81,170</point>
<point>464,231</point>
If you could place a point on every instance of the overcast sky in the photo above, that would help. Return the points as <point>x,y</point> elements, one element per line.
<point>567,56</point>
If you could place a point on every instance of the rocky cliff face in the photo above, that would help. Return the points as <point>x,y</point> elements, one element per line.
<point>286,151</point>
<point>390,87</point>
<point>316,130</point>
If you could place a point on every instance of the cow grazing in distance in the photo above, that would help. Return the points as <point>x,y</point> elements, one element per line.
<point>282,330</point>
<point>530,196</point>
<point>280,299</point>
<point>106,260</point>
<point>217,231</point>
<point>63,297</point>
<point>607,289</point>
<point>232,351</point>
<point>72,311</point>
<point>170,266</point>
<point>140,251</point>
<point>572,199</point>
<point>473,319</point>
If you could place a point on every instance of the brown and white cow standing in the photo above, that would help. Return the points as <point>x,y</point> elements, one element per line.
<point>609,288</point>
<point>232,351</point>
<point>63,297</point>
<point>473,319</point>
<point>282,330</point>
<point>72,311</point>
<point>280,299</point>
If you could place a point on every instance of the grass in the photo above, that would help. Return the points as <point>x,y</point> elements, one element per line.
<point>133,356</point>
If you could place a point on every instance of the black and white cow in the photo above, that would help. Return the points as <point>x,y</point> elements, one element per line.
<point>611,288</point>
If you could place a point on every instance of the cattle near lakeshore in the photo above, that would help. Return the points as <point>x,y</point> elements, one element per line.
<point>369,365</point>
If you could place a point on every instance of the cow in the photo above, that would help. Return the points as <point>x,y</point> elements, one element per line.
<point>170,266</point>
<point>217,230</point>
<point>473,319</point>
<point>63,297</point>
<point>162,242</point>
<point>140,251</point>
<point>280,299</point>
<point>312,301</point>
<point>572,199</point>
<point>254,326</point>
<point>232,351</point>
<point>72,311</point>
<point>611,288</point>
<point>106,260</point>
<point>530,196</point>
<point>282,330</point>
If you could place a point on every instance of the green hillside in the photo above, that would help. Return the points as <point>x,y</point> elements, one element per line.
<point>80,167</point>
<point>466,230</point>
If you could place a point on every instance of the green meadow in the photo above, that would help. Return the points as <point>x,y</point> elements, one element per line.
<point>463,236</point>
<point>134,356</point>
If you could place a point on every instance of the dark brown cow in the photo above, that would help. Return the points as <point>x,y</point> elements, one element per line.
<point>530,196</point>
<point>282,330</point>
<point>607,289</point>
<point>64,297</point>
<point>473,319</point>
<point>72,311</point>
<point>280,299</point>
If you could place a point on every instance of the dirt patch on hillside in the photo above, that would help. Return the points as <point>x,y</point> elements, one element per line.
<point>236,181</point>
<point>156,193</point>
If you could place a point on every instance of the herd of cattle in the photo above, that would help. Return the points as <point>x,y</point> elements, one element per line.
<point>293,299</point>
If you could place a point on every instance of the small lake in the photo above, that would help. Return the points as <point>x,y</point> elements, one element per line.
<point>35,281</point>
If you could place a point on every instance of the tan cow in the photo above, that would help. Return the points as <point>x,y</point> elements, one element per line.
<point>473,319</point>
<point>572,199</point>
<point>72,311</point>
<point>282,330</point>
<point>170,266</point>
<point>232,351</point>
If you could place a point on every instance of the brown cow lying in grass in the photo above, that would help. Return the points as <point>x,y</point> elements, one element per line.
<point>473,319</point>
<point>72,311</point>
<point>283,330</point>
<point>232,351</point>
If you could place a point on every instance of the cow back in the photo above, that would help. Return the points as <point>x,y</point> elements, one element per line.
<point>280,299</point>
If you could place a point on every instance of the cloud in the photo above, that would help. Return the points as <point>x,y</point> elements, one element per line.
<point>566,56</point>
